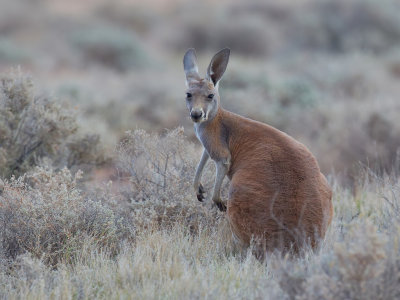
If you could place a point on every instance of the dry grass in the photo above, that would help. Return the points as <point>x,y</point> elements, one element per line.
<point>58,243</point>
<point>357,261</point>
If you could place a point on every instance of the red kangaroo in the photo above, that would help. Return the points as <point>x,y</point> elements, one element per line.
<point>277,196</point>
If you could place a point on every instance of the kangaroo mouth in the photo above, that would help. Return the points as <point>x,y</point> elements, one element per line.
<point>196,120</point>
<point>199,119</point>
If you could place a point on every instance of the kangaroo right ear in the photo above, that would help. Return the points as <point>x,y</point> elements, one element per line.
<point>190,65</point>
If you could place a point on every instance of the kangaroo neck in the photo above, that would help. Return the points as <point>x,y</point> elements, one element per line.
<point>213,135</point>
<point>211,124</point>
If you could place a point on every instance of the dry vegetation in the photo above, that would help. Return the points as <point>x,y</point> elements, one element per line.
<point>325,72</point>
<point>35,128</point>
<point>154,240</point>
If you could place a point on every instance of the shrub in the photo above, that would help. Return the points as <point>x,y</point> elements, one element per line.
<point>47,215</point>
<point>289,100</point>
<point>34,128</point>
<point>206,29</point>
<point>112,47</point>
<point>354,269</point>
<point>9,52</point>
<point>160,171</point>
<point>296,92</point>
<point>360,257</point>
<point>341,26</point>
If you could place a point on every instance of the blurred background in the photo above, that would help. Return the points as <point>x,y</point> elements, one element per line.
<point>326,72</point>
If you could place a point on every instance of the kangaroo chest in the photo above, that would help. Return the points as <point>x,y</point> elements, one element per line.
<point>214,141</point>
<point>203,138</point>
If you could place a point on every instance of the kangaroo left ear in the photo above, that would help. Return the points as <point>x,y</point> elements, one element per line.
<point>218,65</point>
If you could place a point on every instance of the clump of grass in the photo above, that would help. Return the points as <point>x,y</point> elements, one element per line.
<point>34,128</point>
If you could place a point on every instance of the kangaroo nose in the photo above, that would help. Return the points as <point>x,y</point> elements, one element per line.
<point>196,115</point>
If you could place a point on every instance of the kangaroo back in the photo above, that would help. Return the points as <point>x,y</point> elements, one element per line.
<point>277,192</point>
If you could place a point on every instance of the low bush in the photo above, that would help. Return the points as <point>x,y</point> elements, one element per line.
<point>160,170</point>
<point>359,259</point>
<point>112,47</point>
<point>11,53</point>
<point>45,214</point>
<point>213,29</point>
<point>35,128</point>
<point>345,26</point>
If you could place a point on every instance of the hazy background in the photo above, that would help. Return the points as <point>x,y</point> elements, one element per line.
<point>325,72</point>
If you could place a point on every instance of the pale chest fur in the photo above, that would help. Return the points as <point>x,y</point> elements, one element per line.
<point>201,135</point>
<point>211,140</point>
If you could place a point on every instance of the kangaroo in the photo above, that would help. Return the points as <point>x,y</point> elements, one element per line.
<point>277,194</point>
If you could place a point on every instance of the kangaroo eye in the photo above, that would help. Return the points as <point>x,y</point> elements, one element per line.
<point>210,96</point>
<point>188,95</point>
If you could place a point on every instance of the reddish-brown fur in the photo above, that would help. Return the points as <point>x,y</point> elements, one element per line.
<point>277,191</point>
<point>277,195</point>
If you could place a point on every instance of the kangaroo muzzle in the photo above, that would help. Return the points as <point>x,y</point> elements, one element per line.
<point>196,115</point>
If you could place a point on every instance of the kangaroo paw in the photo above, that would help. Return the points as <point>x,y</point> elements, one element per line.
<point>220,205</point>
<point>200,193</point>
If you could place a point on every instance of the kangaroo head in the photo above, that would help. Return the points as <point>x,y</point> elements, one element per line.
<point>202,97</point>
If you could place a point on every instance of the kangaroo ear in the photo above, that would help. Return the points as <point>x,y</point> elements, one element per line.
<point>218,65</point>
<point>190,65</point>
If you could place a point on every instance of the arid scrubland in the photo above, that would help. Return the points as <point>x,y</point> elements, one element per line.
<point>146,236</point>
<point>97,86</point>
<point>326,72</point>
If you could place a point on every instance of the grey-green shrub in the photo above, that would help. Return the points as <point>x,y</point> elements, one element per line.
<point>359,259</point>
<point>46,214</point>
<point>34,128</point>
<point>10,52</point>
<point>112,47</point>
<point>160,169</point>
<point>343,26</point>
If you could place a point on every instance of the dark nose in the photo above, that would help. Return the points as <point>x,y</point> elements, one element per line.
<point>196,115</point>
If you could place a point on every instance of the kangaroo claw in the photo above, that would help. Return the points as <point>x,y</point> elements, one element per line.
<point>220,205</point>
<point>200,193</point>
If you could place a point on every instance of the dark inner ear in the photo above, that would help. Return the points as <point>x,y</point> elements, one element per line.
<point>218,65</point>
